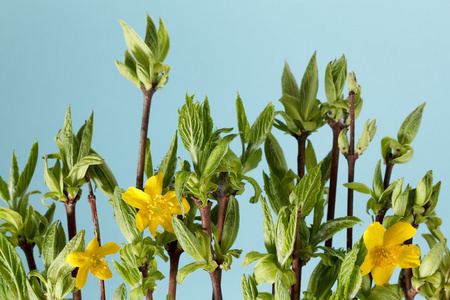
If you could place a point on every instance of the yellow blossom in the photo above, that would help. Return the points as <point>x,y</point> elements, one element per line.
<point>386,251</point>
<point>154,208</point>
<point>92,259</point>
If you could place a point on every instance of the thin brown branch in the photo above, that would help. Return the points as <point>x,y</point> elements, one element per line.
<point>174,252</point>
<point>387,177</point>
<point>222,204</point>
<point>336,128</point>
<point>408,290</point>
<point>351,159</point>
<point>148,94</point>
<point>70,205</point>
<point>92,202</point>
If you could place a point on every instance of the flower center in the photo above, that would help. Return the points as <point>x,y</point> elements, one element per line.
<point>386,256</point>
<point>158,205</point>
<point>98,265</point>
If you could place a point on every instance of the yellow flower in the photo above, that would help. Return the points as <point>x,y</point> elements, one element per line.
<point>92,260</point>
<point>154,209</point>
<point>386,251</point>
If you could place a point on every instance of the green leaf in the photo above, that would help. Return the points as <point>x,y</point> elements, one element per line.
<point>54,242</point>
<point>385,293</point>
<point>265,269</point>
<point>246,289</point>
<point>308,189</point>
<point>144,74</point>
<point>128,73</point>
<point>281,288</point>
<point>67,148</point>
<point>86,139</point>
<point>256,187</point>
<point>348,280</point>
<point>188,269</point>
<point>410,126</point>
<point>11,217</point>
<point>323,278</point>
<point>126,217</point>
<point>275,157</point>
<point>207,124</point>
<point>103,178</point>
<point>28,171</point>
<point>188,241</point>
<point>289,239</point>
<point>251,257</point>
<point>359,187</point>
<point>78,171</point>
<point>330,89</point>
<point>30,224</point>
<point>13,179</point>
<point>431,261</point>
<point>163,41</point>
<point>309,88</point>
<point>64,285</point>
<point>120,293</point>
<point>288,83</point>
<point>151,36</point>
<point>231,225</point>
<point>191,130</point>
<point>244,127</point>
<point>169,162</point>
<point>137,46</point>
<point>148,164</point>
<point>216,155</point>
<point>268,227</point>
<point>378,185</point>
<point>328,229</point>
<point>59,266</point>
<point>261,128</point>
<point>11,269</point>
<point>4,193</point>
<point>310,157</point>
<point>291,106</point>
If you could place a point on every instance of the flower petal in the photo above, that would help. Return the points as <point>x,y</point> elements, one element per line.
<point>398,233</point>
<point>103,273</point>
<point>373,236</point>
<point>408,257</point>
<point>136,198</point>
<point>166,222</point>
<point>153,186</point>
<point>368,264</point>
<point>175,209</point>
<point>108,249</point>
<point>152,225</point>
<point>77,259</point>
<point>142,220</point>
<point>381,275</point>
<point>92,246</point>
<point>82,275</point>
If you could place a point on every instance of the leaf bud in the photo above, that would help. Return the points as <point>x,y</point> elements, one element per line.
<point>352,83</point>
<point>343,141</point>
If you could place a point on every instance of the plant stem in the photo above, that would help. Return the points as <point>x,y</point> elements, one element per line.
<point>222,204</point>
<point>148,94</point>
<point>336,127</point>
<point>216,276</point>
<point>297,263</point>
<point>387,177</point>
<point>92,202</point>
<point>28,250</point>
<point>72,229</point>
<point>406,284</point>
<point>351,159</point>
<point>174,252</point>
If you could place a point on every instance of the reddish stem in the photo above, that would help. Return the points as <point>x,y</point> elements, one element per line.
<point>336,127</point>
<point>72,229</point>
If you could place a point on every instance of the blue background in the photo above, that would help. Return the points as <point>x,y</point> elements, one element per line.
<point>56,53</point>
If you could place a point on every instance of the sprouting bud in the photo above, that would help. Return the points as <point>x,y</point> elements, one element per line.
<point>352,84</point>
<point>366,136</point>
<point>343,141</point>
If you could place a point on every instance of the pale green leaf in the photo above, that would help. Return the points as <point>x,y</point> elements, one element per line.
<point>410,126</point>
<point>188,241</point>
<point>432,259</point>
<point>163,41</point>
<point>309,88</point>
<point>120,293</point>
<point>288,83</point>
<point>231,225</point>
<point>59,267</point>
<point>128,73</point>
<point>28,171</point>
<point>268,227</point>
<point>216,155</point>
<point>54,242</point>
<point>11,269</point>
<point>275,157</point>
<point>243,125</point>
<point>169,162</point>
<point>359,187</point>
<point>151,36</point>
<point>136,45</point>
<point>125,217</point>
